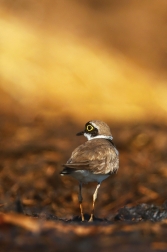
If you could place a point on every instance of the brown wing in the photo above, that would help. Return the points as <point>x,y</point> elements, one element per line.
<point>97,155</point>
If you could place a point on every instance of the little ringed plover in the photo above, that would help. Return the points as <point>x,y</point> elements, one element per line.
<point>93,161</point>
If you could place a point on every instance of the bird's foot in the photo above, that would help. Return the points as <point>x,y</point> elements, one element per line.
<point>91,218</point>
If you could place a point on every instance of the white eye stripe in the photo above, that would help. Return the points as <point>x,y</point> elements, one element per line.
<point>95,125</point>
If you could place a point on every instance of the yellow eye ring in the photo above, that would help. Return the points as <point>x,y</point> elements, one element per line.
<point>89,127</point>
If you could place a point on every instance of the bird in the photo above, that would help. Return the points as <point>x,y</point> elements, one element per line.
<point>93,161</point>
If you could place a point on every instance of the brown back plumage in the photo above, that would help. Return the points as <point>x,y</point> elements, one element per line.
<point>98,156</point>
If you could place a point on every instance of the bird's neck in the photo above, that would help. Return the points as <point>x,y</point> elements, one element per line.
<point>89,137</point>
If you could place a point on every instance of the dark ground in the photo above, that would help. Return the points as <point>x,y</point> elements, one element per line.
<point>39,209</point>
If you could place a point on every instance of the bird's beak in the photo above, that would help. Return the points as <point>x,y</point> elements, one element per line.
<point>80,133</point>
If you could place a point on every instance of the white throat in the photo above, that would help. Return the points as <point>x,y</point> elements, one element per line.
<point>89,137</point>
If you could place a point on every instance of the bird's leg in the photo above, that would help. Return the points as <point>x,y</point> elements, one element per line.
<point>94,199</point>
<point>80,201</point>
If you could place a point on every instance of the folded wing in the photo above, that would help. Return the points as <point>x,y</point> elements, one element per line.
<point>99,157</point>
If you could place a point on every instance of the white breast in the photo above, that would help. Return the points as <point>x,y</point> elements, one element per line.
<point>85,176</point>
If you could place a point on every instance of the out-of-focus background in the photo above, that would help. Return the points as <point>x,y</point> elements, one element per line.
<point>63,63</point>
<point>84,59</point>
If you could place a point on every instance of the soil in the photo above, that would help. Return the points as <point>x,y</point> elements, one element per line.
<point>39,209</point>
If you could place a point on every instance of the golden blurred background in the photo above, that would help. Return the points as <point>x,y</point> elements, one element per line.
<point>63,63</point>
<point>86,60</point>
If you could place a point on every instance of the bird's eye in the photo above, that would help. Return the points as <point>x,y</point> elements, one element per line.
<point>89,127</point>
